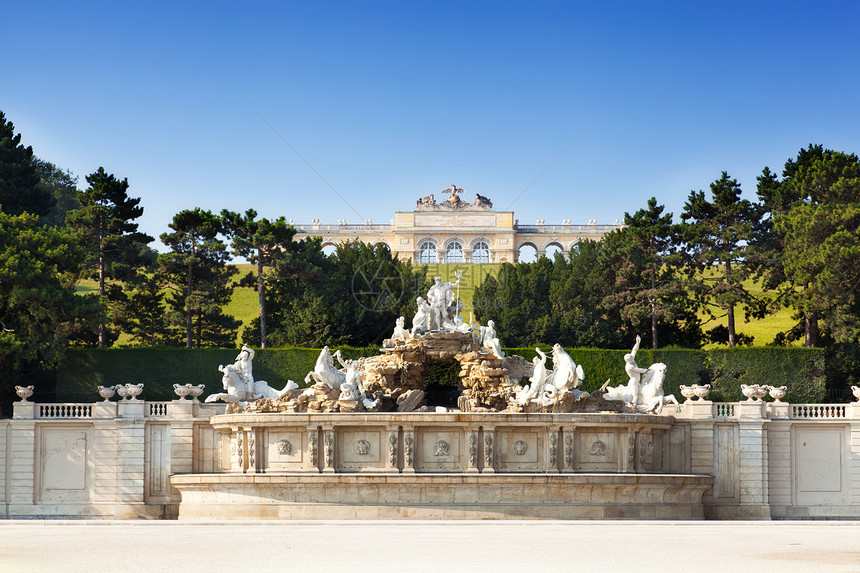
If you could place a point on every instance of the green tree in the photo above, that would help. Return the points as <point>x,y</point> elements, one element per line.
<point>20,191</point>
<point>647,290</point>
<point>105,223</point>
<point>811,227</point>
<point>62,186</point>
<point>262,242</point>
<point>38,305</point>
<point>146,317</point>
<point>715,235</point>
<point>196,272</point>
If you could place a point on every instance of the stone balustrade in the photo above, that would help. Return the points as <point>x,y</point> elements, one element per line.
<point>131,459</point>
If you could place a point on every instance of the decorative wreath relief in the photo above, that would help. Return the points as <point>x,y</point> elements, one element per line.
<point>598,448</point>
<point>362,447</point>
<point>520,447</point>
<point>285,448</point>
<point>440,448</point>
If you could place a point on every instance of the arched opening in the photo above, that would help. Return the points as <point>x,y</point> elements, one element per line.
<point>481,252</point>
<point>454,253</point>
<point>527,253</point>
<point>552,249</point>
<point>329,250</point>
<point>427,253</point>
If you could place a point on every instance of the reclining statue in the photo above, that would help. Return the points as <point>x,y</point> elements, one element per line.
<point>644,389</point>
<point>239,385</point>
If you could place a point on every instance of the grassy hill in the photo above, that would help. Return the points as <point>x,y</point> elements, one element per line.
<point>244,305</point>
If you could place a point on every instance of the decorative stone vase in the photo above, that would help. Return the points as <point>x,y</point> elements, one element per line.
<point>701,391</point>
<point>687,392</point>
<point>196,391</point>
<point>24,392</point>
<point>107,392</point>
<point>777,393</point>
<point>182,390</point>
<point>751,391</point>
<point>122,390</point>
<point>856,391</point>
<point>134,390</point>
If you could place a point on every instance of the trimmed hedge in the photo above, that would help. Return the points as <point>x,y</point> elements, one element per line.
<point>83,370</point>
<point>801,369</point>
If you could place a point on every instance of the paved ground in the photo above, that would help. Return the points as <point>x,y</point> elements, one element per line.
<point>450,546</point>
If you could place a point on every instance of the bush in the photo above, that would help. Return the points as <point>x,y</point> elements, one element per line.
<point>801,369</point>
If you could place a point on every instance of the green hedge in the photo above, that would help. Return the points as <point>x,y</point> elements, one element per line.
<point>801,369</point>
<point>83,370</point>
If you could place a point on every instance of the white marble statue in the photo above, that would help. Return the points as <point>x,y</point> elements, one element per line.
<point>489,340</point>
<point>325,372</point>
<point>644,389</point>
<point>352,389</point>
<point>400,333</point>
<point>239,385</point>
<point>421,320</point>
<point>442,300</point>
<point>546,385</point>
<point>460,326</point>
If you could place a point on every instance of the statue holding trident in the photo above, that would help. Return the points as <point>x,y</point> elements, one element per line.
<point>442,300</point>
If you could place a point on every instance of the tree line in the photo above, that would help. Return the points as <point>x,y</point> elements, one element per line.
<point>667,280</point>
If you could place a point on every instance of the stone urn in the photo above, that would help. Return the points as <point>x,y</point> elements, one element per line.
<point>856,391</point>
<point>24,392</point>
<point>777,393</point>
<point>182,390</point>
<point>761,392</point>
<point>122,390</point>
<point>701,391</point>
<point>687,392</point>
<point>752,391</point>
<point>107,392</point>
<point>134,390</point>
<point>196,391</point>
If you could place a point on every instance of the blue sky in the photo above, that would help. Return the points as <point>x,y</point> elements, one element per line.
<point>390,101</point>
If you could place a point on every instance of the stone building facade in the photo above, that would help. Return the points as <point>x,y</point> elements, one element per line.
<point>456,231</point>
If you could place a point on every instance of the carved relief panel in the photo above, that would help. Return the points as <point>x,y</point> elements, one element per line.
<point>361,449</point>
<point>286,449</point>
<point>595,450</point>
<point>440,450</point>
<point>520,449</point>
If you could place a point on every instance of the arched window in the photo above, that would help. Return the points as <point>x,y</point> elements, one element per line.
<point>481,252</point>
<point>454,253</point>
<point>427,253</point>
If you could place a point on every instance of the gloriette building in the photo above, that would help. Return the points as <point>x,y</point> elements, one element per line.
<point>456,231</point>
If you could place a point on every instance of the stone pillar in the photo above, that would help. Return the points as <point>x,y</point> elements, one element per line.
<point>21,478</point>
<point>552,458</point>
<point>753,470</point>
<point>105,451</point>
<point>853,414</point>
<point>328,450</point>
<point>130,442</point>
<point>392,449</point>
<point>181,458</point>
<point>778,457</point>
<point>627,446</point>
<point>408,450</point>
<point>472,451</point>
<point>313,449</point>
<point>567,435</point>
<point>489,450</point>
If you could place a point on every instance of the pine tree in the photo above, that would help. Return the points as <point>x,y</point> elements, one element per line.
<point>19,181</point>
<point>105,223</point>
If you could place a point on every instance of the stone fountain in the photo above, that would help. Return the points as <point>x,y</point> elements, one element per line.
<point>524,442</point>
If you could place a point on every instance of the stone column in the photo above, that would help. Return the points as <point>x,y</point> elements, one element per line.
<point>313,464</point>
<point>130,441</point>
<point>392,449</point>
<point>105,451</point>
<point>328,450</point>
<point>753,470</point>
<point>472,450</point>
<point>853,414</point>
<point>489,450</point>
<point>181,458</point>
<point>21,478</point>
<point>408,450</point>
<point>552,458</point>
<point>778,457</point>
<point>567,435</point>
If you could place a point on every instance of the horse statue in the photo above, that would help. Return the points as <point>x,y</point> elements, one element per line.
<point>546,385</point>
<point>237,392</point>
<point>650,397</point>
<point>324,371</point>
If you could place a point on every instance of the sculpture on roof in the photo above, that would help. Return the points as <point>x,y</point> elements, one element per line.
<point>453,190</point>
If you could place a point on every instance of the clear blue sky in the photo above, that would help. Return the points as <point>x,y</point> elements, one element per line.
<point>390,101</point>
